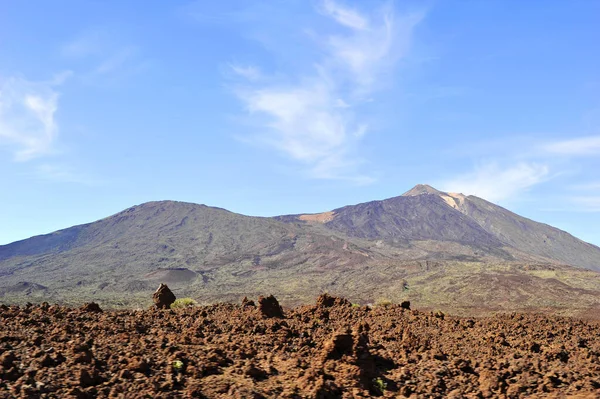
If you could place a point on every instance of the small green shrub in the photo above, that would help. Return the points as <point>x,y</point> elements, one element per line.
<point>355,305</point>
<point>183,303</point>
<point>383,302</point>
<point>177,366</point>
<point>379,384</point>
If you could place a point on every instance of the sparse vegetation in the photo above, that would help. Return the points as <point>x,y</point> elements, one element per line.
<point>177,365</point>
<point>383,302</point>
<point>379,384</point>
<point>183,303</point>
<point>294,249</point>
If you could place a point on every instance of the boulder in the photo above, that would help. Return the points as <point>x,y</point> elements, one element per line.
<point>163,297</point>
<point>91,307</point>
<point>269,307</point>
<point>328,301</point>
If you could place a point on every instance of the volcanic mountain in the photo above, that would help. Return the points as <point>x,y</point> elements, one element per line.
<point>426,214</point>
<point>439,250</point>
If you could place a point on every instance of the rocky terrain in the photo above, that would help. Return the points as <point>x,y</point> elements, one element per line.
<point>331,349</point>
<point>447,251</point>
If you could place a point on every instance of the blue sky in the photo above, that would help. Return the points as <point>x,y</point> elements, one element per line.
<point>278,107</point>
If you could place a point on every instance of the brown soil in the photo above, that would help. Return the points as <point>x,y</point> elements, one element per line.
<point>329,350</point>
<point>318,217</point>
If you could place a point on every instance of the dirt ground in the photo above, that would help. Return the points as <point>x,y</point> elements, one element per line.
<point>329,350</point>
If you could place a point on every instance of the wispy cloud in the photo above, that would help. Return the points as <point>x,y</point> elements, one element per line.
<point>345,15</point>
<point>249,72</point>
<point>584,197</point>
<point>104,57</point>
<point>91,42</point>
<point>27,116</point>
<point>365,54</point>
<point>62,173</point>
<point>315,118</point>
<point>496,183</point>
<point>116,61</point>
<point>595,185</point>
<point>582,146</point>
<point>587,203</point>
<point>531,160</point>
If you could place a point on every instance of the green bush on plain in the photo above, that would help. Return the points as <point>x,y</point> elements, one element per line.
<point>183,303</point>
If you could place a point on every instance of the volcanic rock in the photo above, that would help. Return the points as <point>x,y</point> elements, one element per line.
<point>328,301</point>
<point>163,297</point>
<point>340,344</point>
<point>247,302</point>
<point>138,364</point>
<point>227,351</point>
<point>46,361</point>
<point>91,307</point>
<point>353,343</point>
<point>254,372</point>
<point>269,307</point>
<point>7,359</point>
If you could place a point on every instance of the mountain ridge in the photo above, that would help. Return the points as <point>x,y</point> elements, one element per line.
<point>373,249</point>
<point>585,255</point>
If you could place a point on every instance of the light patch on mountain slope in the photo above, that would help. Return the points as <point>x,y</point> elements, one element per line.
<point>318,217</point>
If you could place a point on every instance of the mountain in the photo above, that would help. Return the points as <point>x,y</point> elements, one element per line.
<point>438,249</point>
<point>526,235</point>
<point>424,214</point>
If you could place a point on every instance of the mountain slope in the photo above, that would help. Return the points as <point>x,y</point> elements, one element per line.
<point>436,249</point>
<point>194,247</point>
<point>402,219</point>
<point>426,214</point>
<point>530,236</point>
<point>176,232</point>
<point>519,232</point>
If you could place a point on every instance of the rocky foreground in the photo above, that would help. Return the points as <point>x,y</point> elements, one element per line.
<point>329,350</point>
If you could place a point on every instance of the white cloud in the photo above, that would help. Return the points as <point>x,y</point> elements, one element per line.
<point>314,118</point>
<point>27,116</point>
<point>495,183</point>
<point>248,72</point>
<point>580,146</point>
<point>305,125</point>
<point>366,53</point>
<point>345,16</point>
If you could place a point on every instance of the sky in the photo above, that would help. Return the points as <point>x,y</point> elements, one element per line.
<point>296,106</point>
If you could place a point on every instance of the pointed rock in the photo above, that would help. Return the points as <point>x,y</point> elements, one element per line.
<point>163,297</point>
<point>269,307</point>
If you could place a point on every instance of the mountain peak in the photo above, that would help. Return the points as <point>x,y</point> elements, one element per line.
<point>421,189</point>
